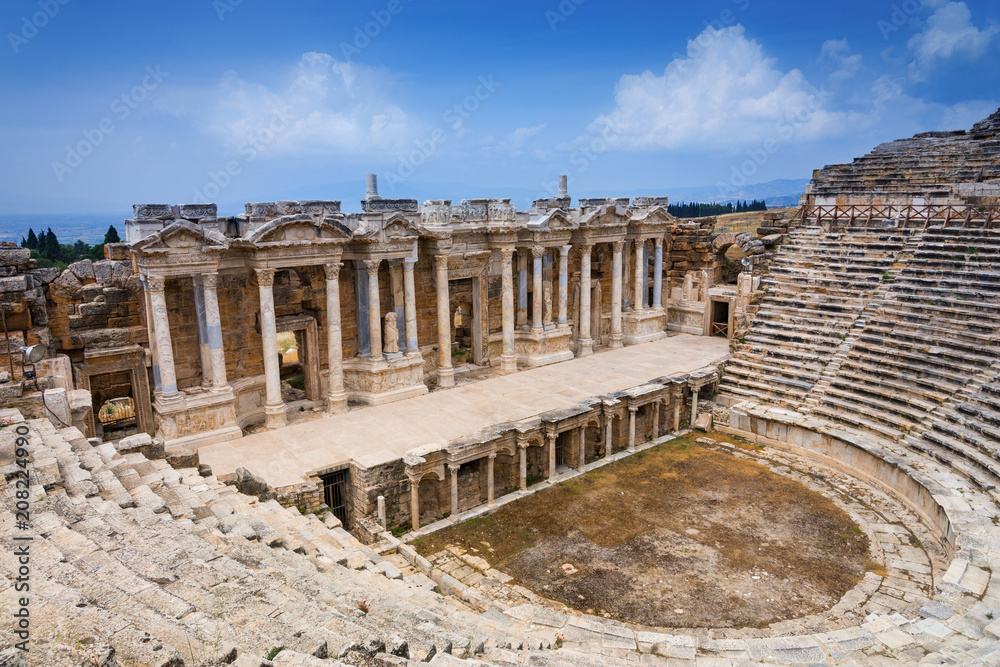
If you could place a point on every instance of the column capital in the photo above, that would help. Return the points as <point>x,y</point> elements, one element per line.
<point>658,241</point>
<point>507,254</point>
<point>156,283</point>
<point>332,270</point>
<point>537,251</point>
<point>265,277</point>
<point>552,435</point>
<point>372,265</point>
<point>564,250</point>
<point>493,456</point>
<point>441,260</point>
<point>409,262</point>
<point>618,245</point>
<point>522,441</point>
<point>633,408</point>
<point>585,247</point>
<point>454,466</point>
<point>210,280</point>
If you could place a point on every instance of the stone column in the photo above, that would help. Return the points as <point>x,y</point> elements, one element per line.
<point>274,407</point>
<point>454,488</point>
<point>677,393</point>
<point>582,438</point>
<point>639,302</point>
<point>609,420</point>
<point>563,286</point>
<point>374,309</point>
<point>203,348</point>
<point>410,307</point>
<point>552,436</point>
<point>446,374</point>
<point>508,359</point>
<point>616,294</point>
<point>694,404</point>
<point>522,450</point>
<point>213,320</point>
<point>658,275</point>
<point>585,342</point>
<point>336,397</point>
<point>490,490</point>
<point>656,420</point>
<point>536,297</point>
<point>161,326</point>
<point>632,410</point>
<point>522,289</point>
<point>414,503</point>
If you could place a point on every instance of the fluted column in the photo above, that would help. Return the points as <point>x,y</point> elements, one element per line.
<point>609,420</point>
<point>446,374</point>
<point>410,307</point>
<point>639,301</point>
<point>508,359</point>
<point>552,436</point>
<point>274,407</point>
<point>563,318</point>
<point>658,275</point>
<point>632,410</point>
<point>336,397</point>
<point>453,469</point>
<point>656,420</point>
<point>536,297</point>
<point>213,321</point>
<point>616,294</point>
<point>161,328</point>
<point>374,309</point>
<point>585,343</point>
<point>490,490</point>
<point>582,438</point>
<point>415,503</point>
<point>522,451</point>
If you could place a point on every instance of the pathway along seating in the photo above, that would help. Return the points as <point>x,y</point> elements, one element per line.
<point>818,287</point>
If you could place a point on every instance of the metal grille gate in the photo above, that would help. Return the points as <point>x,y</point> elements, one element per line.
<point>335,493</point>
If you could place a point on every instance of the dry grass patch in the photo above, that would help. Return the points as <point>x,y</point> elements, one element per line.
<point>680,535</point>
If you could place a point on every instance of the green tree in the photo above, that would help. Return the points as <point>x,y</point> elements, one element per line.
<point>111,236</point>
<point>32,241</point>
<point>51,249</point>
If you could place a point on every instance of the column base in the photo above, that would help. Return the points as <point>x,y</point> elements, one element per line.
<point>275,416</point>
<point>584,347</point>
<point>446,377</point>
<point>508,363</point>
<point>336,403</point>
<point>616,341</point>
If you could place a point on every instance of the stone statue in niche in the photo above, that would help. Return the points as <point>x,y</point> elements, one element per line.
<point>391,334</point>
<point>547,304</point>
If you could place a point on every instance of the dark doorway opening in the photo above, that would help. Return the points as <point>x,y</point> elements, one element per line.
<point>720,318</point>
<point>335,493</point>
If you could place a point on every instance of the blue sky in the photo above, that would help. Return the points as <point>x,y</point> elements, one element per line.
<point>118,102</point>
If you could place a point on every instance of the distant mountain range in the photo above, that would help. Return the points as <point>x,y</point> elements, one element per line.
<point>90,227</point>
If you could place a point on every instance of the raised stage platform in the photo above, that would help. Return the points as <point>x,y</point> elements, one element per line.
<point>285,456</point>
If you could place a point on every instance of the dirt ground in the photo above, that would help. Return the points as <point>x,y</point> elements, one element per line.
<point>681,535</point>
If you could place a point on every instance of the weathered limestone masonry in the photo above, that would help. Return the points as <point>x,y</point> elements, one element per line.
<point>378,300</point>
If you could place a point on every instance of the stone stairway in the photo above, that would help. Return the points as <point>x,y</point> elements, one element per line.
<point>932,333</point>
<point>169,566</point>
<point>819,285</point>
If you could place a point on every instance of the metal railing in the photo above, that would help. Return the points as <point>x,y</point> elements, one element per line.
<point>913,215</point>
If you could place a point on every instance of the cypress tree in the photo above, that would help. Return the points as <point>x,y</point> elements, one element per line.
<point>111,236</point>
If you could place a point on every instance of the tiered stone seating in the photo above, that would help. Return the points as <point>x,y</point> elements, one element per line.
<point>925,166</point>
<point>169,566</point>
<point>934,332</point>
<point>818,286</point>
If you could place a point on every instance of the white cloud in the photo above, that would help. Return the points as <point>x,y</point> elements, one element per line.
<point>838,53</point>
<point>513,144</point>
<point>726,93</point>
<point>949,31</point>
<point>326,106</point>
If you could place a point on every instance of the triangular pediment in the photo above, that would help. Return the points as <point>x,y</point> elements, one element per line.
<point>181,237</point>
<point>398,226</point>
<point>654,216</point>
<point>554,220</point>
